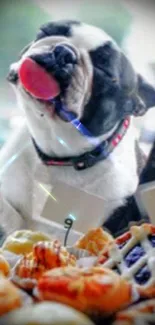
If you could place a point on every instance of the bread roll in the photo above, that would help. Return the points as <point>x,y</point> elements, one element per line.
<point>22,241</point>
<point>90,290</point>
<point>45,313</point>
<point>10,297</point>
<point>4,266</point>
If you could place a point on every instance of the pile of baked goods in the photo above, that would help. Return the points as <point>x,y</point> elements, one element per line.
<point>99,280</point>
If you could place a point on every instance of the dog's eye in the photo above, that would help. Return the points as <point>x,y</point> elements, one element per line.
<point>106,61</point>
<point>103,55</point>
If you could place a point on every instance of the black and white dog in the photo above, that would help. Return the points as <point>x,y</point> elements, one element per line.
<point>99,85</point>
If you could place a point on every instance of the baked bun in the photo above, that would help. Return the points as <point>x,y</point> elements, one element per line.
<point>94,241</point>
<point>132,255</point>
<point>45,256</point>
<point>10,297</point>
<point>22,241</point>
<point>4,266</point>
<point>90,290</point>
<point>45,313</point>
<point>53,254</point>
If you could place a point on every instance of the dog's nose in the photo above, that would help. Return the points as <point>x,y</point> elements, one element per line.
<point>12,77</point>
<point>65,55</point>
<point>60,62</point>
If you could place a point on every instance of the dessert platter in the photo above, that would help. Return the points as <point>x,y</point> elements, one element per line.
<point>100,280</point>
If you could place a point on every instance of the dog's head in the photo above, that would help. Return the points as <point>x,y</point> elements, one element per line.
<point>96,79</point>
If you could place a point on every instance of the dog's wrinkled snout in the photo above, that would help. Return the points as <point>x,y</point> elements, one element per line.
<point>60,62</point>
<point>12,76</point>
<point>65,54</point>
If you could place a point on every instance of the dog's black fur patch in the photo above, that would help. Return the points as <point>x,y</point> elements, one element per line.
<point>148,173</point>
<point>101,114</point>
<point>60,28</point>
<point>121,219</point>
<point>147,92</point>
<point>117,91</point>
<point>123,216</point>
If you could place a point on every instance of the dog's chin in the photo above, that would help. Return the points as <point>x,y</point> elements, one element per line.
<point>48,108</point>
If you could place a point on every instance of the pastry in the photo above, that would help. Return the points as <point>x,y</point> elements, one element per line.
<point>90,290</point>
<point>26,272</point>
<point>4,266</point>
<point>45,256</point>
<point>22,241</point>
<point>141,313</point>
<point>45,313</point>
<point>94,241</point>
<point>133,256</point>
<point>53,254</point>
<point>10,297</point>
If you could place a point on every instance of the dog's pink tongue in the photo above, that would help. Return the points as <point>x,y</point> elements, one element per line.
<point>37,81</point>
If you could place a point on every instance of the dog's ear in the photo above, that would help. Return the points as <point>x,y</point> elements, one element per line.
<point>138,94</point>
<point>116,79</point>
<point>146,92</point>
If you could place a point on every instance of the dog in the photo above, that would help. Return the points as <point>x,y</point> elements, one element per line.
<point>99,85</point>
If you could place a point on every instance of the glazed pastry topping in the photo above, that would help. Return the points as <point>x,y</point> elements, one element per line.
<point>133,255</point>
<point>27,271</point>
<point>93,289</point>
<point>94,241</point>
<point>45,256</point>
<point>53,254</point>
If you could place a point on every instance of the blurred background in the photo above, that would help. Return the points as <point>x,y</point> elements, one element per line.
<point>130,23</point>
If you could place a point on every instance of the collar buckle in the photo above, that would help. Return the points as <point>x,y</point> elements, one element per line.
<point>85,161</point>
<point>89,159</point>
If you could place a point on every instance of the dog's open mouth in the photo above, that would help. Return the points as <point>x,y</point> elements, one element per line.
<point>38,83</point>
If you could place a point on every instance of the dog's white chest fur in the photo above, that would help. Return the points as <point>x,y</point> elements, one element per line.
<point>113,179</point>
